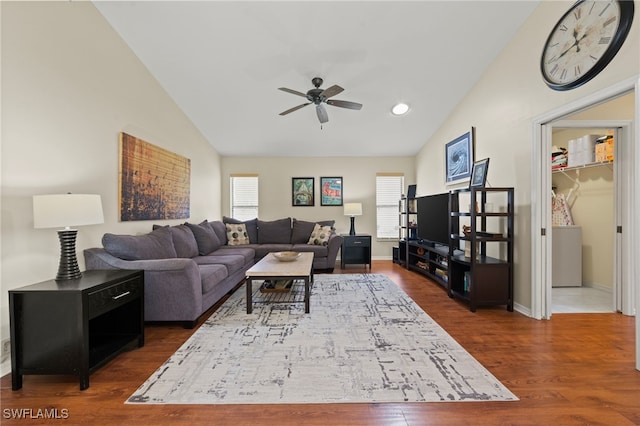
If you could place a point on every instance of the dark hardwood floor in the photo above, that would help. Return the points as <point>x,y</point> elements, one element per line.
<point>576,369</point>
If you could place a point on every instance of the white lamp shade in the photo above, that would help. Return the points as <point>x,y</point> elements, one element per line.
<point>66,210</point>
<point>353,209</point>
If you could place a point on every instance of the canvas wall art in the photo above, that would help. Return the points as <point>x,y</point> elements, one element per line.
<point>154,183</point>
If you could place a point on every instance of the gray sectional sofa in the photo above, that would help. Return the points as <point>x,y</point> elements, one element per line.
<point>190,267</point>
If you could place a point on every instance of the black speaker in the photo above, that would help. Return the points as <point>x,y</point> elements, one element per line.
<point>411,193</point>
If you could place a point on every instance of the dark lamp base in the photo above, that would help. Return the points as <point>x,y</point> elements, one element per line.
<point>352,231</point>
<point>68,268</point>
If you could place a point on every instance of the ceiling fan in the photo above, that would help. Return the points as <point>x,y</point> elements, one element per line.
<point>319,96</point>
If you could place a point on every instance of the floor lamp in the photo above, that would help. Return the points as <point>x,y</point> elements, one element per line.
<point>67,210</point>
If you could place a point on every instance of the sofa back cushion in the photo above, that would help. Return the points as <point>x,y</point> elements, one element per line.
<point>206,238</point>
<point>302,230</point>
<point>183,240</point>
<point>157,244</point>
<point>274,232</point>
<point>251,225</point>
<point>220,230</point>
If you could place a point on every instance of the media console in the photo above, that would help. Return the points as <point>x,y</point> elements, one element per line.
<point>428,259</point>
<point>479,275</point>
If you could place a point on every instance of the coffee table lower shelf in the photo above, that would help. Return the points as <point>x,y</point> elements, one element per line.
<point>293,295</point>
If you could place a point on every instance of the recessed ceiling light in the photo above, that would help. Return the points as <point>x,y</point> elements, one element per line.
<point>400,109</point>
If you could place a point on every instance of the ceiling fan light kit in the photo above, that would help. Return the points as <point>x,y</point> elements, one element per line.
<point>318,97</point>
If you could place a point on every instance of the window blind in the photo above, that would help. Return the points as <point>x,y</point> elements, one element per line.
<point>389,188</point>
<point>244,196</point>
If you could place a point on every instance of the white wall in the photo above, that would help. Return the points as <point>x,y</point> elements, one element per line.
<point>69,86</point>
<point>359,185</point>
<point>502,107</point>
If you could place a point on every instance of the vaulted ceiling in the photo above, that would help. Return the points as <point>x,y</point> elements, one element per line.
<point>223,62</point>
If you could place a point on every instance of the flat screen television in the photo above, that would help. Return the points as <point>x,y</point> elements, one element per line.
<point>433,219</point>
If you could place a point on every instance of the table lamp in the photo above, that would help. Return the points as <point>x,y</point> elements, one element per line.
<point>353,209</point>
<point>67,210</point>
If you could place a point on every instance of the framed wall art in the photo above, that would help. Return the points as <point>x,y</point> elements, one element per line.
<point>302,191</point>
<point>459,154</point>
<point>153,183</point>
<point>330,191</point>
<point>479,175</point>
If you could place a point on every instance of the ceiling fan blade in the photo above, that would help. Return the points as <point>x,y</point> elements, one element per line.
<point>344,104</point>
<point>295,108</point>
<point>331,91</point>
<point>322,114</point>
<point>294,92</point>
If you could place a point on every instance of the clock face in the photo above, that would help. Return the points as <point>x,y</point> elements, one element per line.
<point>584,41</point>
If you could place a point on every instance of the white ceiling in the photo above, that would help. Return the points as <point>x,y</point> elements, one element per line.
<point>222,63</point>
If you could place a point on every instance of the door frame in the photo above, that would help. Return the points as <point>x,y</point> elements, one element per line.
<point>621,300</point>
<point>541,208</point>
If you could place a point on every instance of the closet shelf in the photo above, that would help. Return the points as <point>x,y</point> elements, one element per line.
<point>582,166</point>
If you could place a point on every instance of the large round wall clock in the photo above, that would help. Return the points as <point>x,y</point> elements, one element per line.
<point>584,41</point>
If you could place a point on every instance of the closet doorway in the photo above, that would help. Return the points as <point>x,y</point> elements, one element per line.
<point>585,197</point>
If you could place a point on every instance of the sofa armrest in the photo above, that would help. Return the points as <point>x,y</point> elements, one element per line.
<point>335,242</point>
<point>172,287</point>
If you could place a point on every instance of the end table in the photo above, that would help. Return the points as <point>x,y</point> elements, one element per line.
<point>356,249</point>
<point>75,326</point>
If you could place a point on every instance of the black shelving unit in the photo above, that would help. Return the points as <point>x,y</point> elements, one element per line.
<point>477,278</point>
<point>407,226</point>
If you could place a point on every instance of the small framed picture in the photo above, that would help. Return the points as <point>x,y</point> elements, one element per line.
<point>479,174</point>
<point>302,191</point>
<point>330,191</point>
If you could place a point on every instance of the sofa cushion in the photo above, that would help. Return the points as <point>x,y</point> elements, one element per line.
<point>211,276</point>
<point>183,240</point>
<point>263,249</point>
<point>220,230</point>
<point>251,225</point>
<point>206,238</point>
<point>233,262</point>
<point>302,230</point>
<point>275,231</point>
<point>318,251</point>
<point>237,234</point>
<point>320,235</point>
<point>157,244</point>
<point>247,252</point>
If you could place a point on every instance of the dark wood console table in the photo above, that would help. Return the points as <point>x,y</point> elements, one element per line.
<point>75,326</point>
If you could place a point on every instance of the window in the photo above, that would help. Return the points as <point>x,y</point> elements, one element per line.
<point>388,193</point>
<point>244,196</point>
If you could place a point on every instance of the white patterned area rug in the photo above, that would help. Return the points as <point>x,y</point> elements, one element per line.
<point>365,340</point>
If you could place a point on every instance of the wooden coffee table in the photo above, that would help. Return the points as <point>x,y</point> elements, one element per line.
<point>270,268</point>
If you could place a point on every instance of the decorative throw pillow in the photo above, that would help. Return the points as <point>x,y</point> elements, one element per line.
<point>320,235</point>
<point>251,225</point>
<point>237,234</point>
<point>157,244</point>
<point>206,239</point>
